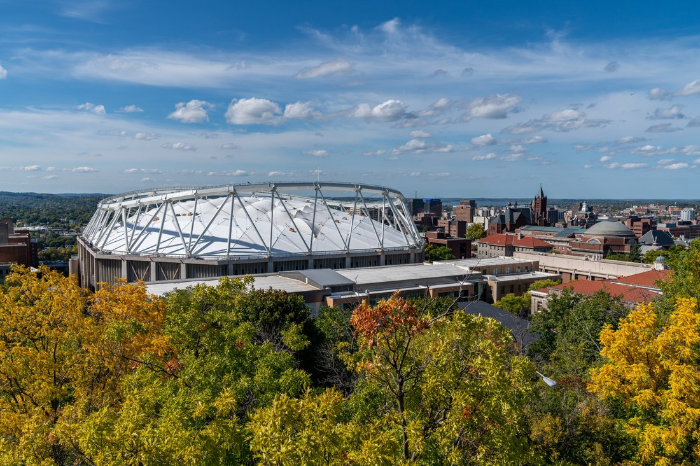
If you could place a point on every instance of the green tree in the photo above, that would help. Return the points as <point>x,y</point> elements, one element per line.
<point>517,305</point>
<point>685,280</point>
<point>439,253</point>
<point>652,367</point>
<point>671,255</point>
<point>449,383</point>
<point>64,353</point>
<point>539,284</point>
<point>569,425</point>
<point>234,351</point>
<point>635,254</point>
<point>619,257</point>
<point>476,231</point>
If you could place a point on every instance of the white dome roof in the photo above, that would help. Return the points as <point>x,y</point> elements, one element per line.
<point>245,221</point>
<point>609,228</point>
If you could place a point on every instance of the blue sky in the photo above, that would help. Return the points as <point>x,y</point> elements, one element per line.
<point>453,99</point>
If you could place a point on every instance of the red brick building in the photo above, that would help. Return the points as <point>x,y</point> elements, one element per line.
<point>465,210</point>
<point>632,290</point>
<point>16,247</point>
<point>507,244</point>
<point>461,247</point>
<point>640,226</point>
<point>602,239</point>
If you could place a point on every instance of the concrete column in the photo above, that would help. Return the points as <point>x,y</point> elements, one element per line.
<point>154,271</point>
<point>183,271</point>
<point>382,259</point>
<point>125,270</point>
<point>230,268</point>
<point>348,262</point>
<point>311,263</point>
<point>270,266</point>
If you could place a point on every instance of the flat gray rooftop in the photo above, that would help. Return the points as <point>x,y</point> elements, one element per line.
<point>521,276</point>
<point>418,273</point>
<point>476,263</point>
<point>263,282</point>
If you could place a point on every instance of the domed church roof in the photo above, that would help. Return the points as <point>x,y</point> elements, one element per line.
<point>608,228</point>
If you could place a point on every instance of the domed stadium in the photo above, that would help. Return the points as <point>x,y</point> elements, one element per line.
<point>172,234</point>
<point>609,228</point>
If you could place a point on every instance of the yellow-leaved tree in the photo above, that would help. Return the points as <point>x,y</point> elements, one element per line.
<point>64,352</point>
<point>652,367</point>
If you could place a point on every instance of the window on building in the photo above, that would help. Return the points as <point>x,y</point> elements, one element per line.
<point>507,269</point>
<point>517,269</point>
<point>495,271</point>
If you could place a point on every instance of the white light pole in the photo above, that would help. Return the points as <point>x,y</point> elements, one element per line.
<point>546,380</point>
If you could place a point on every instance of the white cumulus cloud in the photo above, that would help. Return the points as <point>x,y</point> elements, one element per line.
<point>689,89</point>
<point>564,115</point>
<point>145,136</point>
<point>92,108</point>
<point>494,106</point>
<point>178,146</point>
<point>484,140</point>
<point>391,110</point>
<point>230,173</point>
<point>84,170</point>
<point>300,111</point>
<point>667,113</point>
<point>194,111</point>
<point>3,72</point>
<point>512,158</point>
<point>489,156</point>
<point>316,153</point>
<point>676,166</point>
<point>659,94</point>
<point>131,109</point>
<point>419,133</point>
<point>373,153</point>
<point>253,111</point>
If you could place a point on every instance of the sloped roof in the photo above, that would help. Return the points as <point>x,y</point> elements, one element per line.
<point>503,239</point>
<point>511,215</point>
<point>660,237</point>
<point>626,292</point>
<point>569,232</point>
<point>647,279</point>
<point>639,288</point>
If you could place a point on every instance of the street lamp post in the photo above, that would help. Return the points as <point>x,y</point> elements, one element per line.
<point>546,380</point>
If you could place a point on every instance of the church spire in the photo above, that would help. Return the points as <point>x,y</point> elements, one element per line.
<point>541,193</point>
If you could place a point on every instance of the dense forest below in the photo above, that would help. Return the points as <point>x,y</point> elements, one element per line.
<point>236,375</point>
<point>49,210</point>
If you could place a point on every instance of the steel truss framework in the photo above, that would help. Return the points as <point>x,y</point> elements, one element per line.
<point>253,220</point>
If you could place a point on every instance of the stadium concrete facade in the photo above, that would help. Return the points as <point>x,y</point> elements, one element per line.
<point>170,234</point>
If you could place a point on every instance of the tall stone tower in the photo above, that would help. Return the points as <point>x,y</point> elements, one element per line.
<point>539,206</point>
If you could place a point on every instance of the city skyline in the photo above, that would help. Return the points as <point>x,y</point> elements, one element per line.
<point>450,100</point>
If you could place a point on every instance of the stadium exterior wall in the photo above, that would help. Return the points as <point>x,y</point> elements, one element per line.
<point>107,250</point>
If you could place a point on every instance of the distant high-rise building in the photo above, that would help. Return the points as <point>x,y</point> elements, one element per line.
<point>415,206</point>
<point>688,214</point>
<point>433,206</point>
<point>539,206</point>
<point>465,210</point>
<point>554,215</point>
